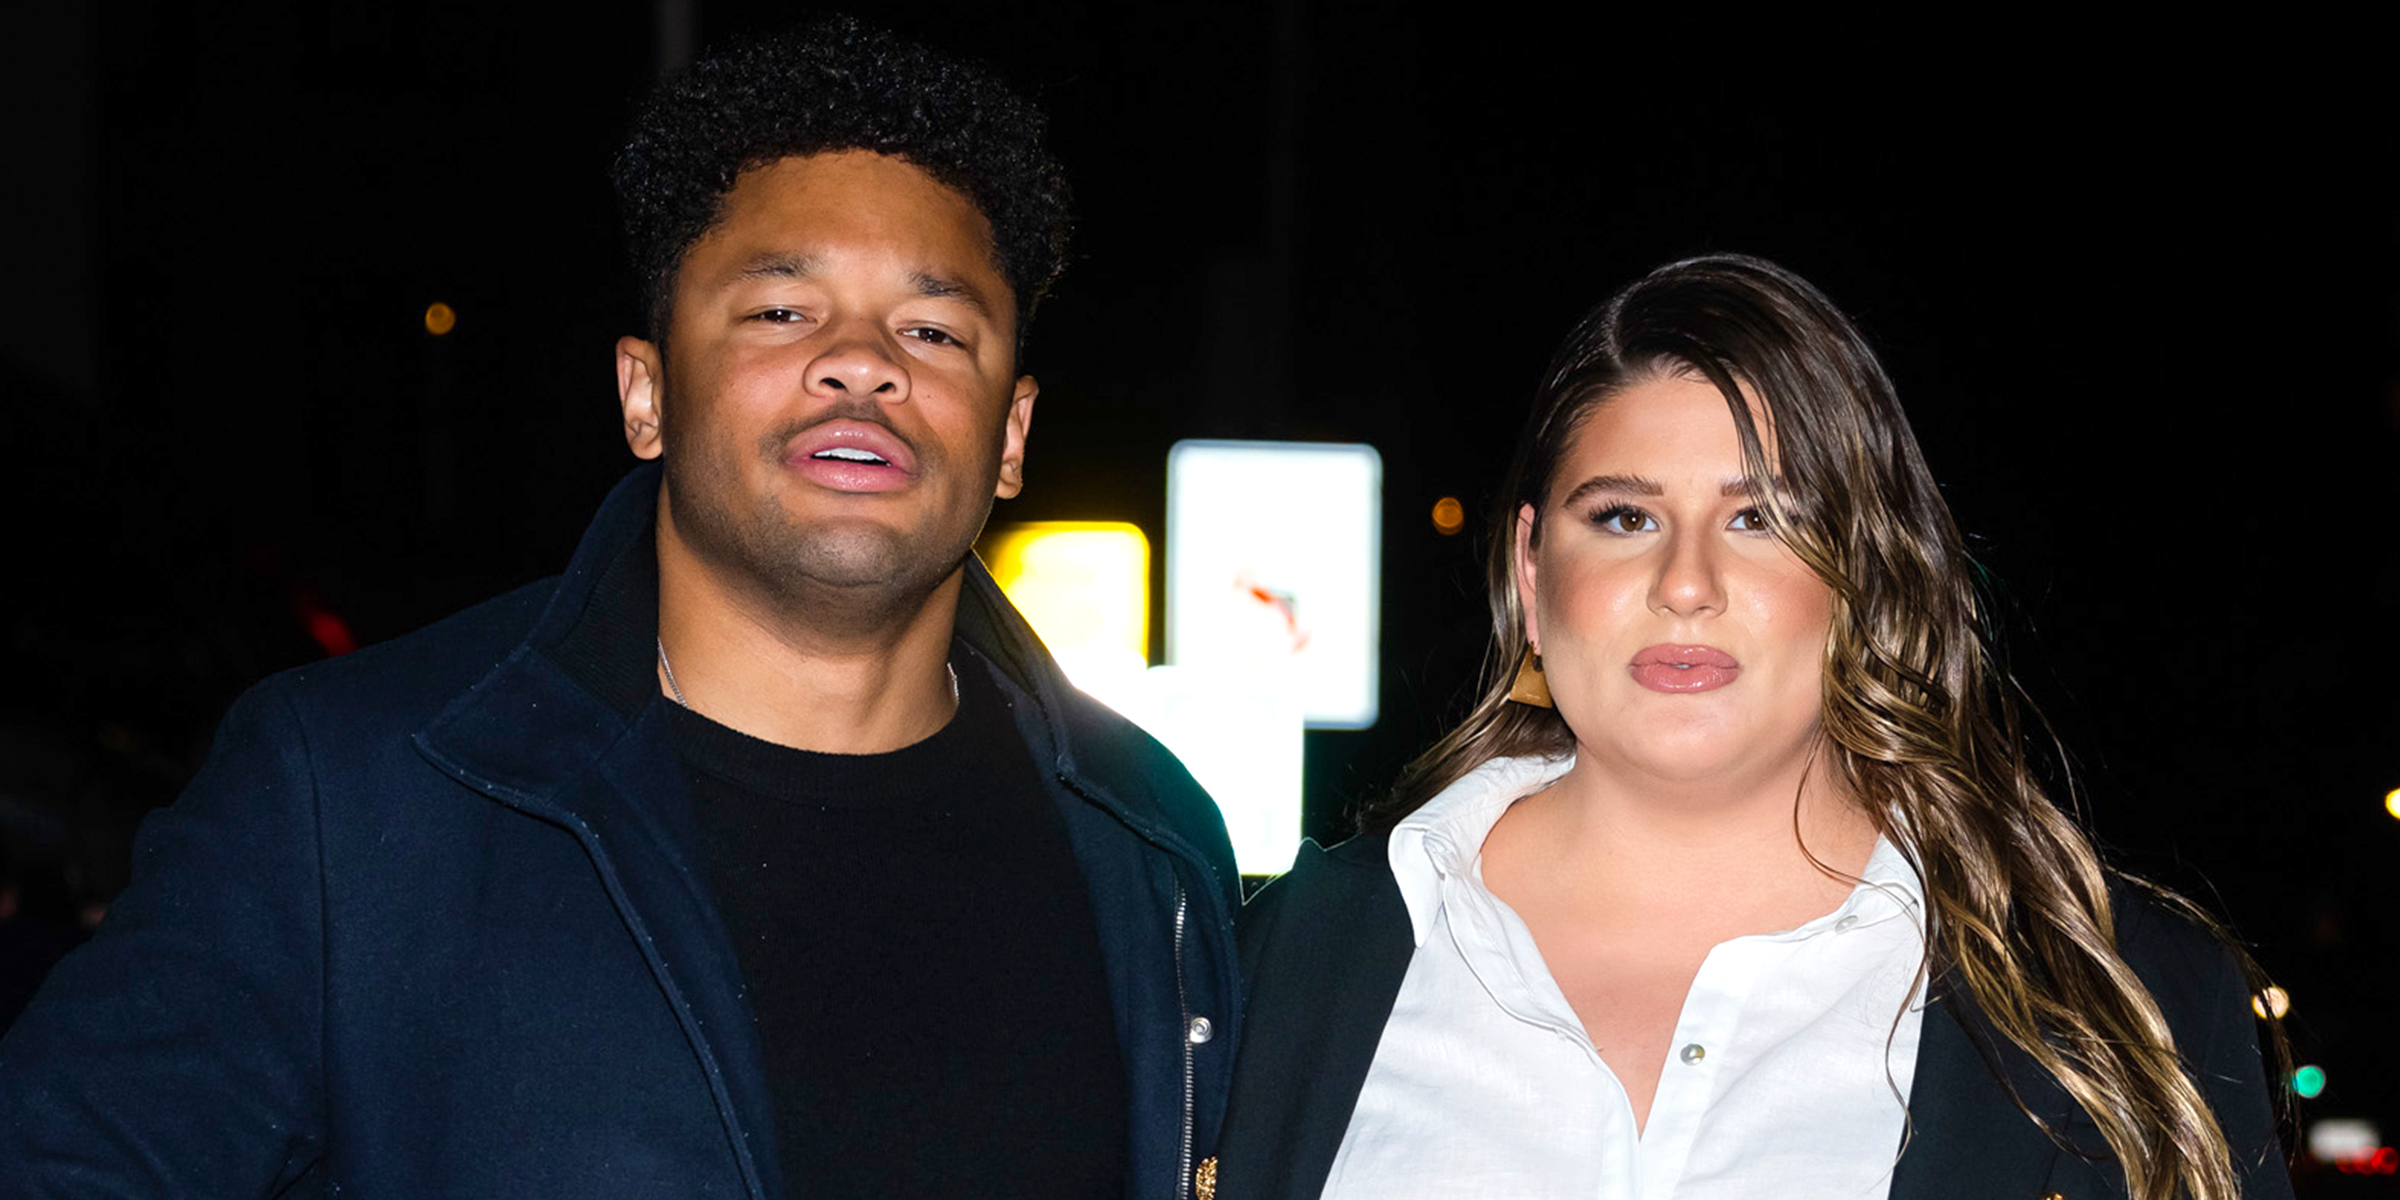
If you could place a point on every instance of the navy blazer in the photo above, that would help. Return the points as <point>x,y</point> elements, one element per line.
<point>1324,950</point>
<point>427,924</point>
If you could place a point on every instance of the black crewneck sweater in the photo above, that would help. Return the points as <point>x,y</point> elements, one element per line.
<point>919,952</point>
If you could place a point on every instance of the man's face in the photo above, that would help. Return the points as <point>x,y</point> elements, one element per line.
<point>838,401</point>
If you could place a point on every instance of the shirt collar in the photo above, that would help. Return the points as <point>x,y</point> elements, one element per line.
<point>1887,888</point>
<point>1444,836</point>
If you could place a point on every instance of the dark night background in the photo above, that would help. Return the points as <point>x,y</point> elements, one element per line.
<point>2140,301</point>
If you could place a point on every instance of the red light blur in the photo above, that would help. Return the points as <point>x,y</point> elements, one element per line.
<point>330,633</point>
<point>2384,1161</point>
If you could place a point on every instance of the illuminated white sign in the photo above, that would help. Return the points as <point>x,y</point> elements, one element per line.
<point>1240,737</point>
<point>1274,556</point>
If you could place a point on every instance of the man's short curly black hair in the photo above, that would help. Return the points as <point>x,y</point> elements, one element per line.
<point>829,86</point>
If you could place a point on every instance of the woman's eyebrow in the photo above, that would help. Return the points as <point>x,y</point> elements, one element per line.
<point>1636,485</point>
<point>1643,485</point>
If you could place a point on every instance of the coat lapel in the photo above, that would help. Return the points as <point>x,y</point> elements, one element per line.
<point>541,747</point>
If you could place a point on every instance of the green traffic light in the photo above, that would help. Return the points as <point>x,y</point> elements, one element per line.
<point>2308,1081</point>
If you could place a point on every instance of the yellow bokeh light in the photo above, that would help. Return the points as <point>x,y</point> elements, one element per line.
<point>1449,516</point>
<point>2391,802</point>
<point>2273,1002</point>
<point>1083,585</point>
<point>440,318</point>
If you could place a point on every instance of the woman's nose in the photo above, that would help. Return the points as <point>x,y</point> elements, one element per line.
<point>1689,581</point>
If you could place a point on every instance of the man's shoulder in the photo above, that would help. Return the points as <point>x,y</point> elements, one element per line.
<point>412,676</point>
<point>1123,757</point>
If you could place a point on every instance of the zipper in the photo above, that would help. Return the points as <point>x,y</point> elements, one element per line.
<point>1165,840</point>
<point>1183,1162</point>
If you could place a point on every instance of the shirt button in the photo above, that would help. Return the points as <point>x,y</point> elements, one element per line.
<point>1843,925</point>
<point>1199,1031</point>
<point>1693,1053</point>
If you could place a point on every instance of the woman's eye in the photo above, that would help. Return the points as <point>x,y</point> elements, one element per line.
<point>1749,520</point>
<point>1624,518</point>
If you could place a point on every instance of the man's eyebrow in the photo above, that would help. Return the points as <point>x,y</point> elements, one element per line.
<point>777,265</point>
<point>944,287</point>
<point>781,265</point>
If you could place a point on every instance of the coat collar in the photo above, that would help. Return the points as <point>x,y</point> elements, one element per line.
<point>585,673</point>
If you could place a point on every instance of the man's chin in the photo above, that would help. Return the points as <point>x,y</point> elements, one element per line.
<point>858,563</point>
<point>867,562</point>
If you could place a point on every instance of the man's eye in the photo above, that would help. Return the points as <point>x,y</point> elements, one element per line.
<point>931,336</point>
<point>778,316</point>
<point>1624,518</point>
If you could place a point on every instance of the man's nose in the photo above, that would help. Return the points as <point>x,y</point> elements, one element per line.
<point>859,363</point>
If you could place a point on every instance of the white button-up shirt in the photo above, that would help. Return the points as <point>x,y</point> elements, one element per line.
<point>1788,1075</point>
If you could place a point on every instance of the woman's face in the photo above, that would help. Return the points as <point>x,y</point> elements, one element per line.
<point>1681,639</point>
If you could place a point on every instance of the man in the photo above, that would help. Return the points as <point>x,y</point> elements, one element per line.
<point>764,852</point>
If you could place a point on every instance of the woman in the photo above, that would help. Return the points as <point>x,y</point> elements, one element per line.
<point>1736,881</point>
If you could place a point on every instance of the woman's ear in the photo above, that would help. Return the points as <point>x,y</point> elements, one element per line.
<point>1522,564</point>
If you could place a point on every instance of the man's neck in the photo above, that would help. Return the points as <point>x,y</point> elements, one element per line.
<point>806,675</point>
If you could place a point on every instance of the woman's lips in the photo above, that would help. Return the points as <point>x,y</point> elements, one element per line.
<point>1683,668</point>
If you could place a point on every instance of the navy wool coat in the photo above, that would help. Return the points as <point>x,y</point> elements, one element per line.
<point>1325,948</point>
<point>427,924</point>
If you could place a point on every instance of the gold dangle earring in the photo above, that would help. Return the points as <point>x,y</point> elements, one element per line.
<point>1531,687</point>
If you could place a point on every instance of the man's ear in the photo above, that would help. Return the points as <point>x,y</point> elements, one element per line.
<point>1012,438</point>
<point>641,377</point>
<point>1525,577</point>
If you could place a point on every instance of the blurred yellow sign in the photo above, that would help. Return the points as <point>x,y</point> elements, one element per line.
<point>1084,586</point>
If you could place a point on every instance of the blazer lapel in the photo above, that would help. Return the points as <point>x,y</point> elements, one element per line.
<point>1314,1018</point>
<point>1966,1134</point>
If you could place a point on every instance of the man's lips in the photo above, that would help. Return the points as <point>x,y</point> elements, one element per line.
<point>1666,668</point>
<point>851,456</point>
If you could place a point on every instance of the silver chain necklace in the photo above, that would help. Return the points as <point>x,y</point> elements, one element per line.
<point>675,689</point>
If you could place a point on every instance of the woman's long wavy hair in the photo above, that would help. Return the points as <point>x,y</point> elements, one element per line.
<point>1922,726</point>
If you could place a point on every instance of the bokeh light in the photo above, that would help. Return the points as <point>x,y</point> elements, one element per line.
<point>2342,1139</point>
<point>1449,516</point>
<point>2309,1081</point>
<point>2273,1002</point>
<point>2391,803</point>
<point>440,318</point>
